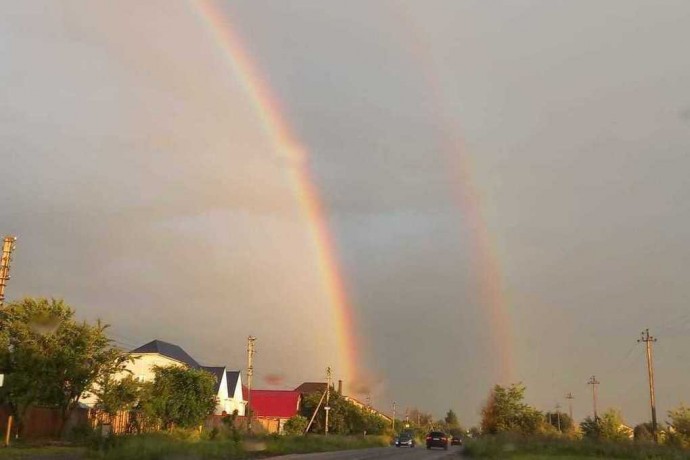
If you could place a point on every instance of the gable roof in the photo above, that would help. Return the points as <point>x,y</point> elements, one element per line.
<point>312,387</point>
<point>231,377</point>
<point>217,373</point>
<point>275,403</point>
<point>169,350</point>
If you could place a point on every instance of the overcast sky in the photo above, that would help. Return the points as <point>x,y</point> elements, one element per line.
<point>145,191</point>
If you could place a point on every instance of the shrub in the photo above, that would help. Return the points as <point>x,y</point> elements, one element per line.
<point>296,425</point>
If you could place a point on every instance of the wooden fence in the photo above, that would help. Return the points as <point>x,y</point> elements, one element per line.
<point>43,422</point>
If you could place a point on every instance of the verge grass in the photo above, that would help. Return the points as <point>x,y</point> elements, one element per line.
<point>162,446</point>
<point>534,448</point>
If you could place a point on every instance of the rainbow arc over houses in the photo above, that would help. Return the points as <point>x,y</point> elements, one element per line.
<point>486,263</point>
<point>288,146</point>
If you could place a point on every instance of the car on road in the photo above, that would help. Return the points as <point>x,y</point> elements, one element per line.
<point>405,439</point>
<point>456,441</point>
<point>437,439</point>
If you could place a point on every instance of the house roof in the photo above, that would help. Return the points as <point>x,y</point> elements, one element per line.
<point>169,350</point>
<point>217,373</point>
<point>275,403</point>
<point>231,377</point>
<point>312,387</point>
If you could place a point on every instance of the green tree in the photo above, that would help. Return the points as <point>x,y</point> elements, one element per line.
<point>178,396</point>
<point>296,425</point>
<point>451,419</point>
<point>115,395</point>
<point>609,426</point>
<point>344,417</point>
<point>560,419</point>
<point>49,357</point>
<point>679,420</point>
<point>505,411</point>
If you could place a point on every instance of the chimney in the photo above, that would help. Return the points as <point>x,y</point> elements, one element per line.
<point>340,387</point>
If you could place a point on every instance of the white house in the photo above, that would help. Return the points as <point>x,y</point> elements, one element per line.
<point>228,390</point>
<point>157,353</point>
<point>164,354</point>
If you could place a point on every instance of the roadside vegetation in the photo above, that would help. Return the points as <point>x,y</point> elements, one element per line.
<point>511,429</point>
<point>181,445</point>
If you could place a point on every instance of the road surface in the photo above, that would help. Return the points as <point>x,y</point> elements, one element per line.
<point>402,453</point>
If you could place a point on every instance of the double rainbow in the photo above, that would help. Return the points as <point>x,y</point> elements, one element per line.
<point>287,145</point>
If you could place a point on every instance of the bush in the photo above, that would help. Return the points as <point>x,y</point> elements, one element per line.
<point>509,445</point>
<point>180,445</point>
<point>296,425</point>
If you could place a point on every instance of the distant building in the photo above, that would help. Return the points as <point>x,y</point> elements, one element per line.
<point>272,408</point>
<point>308,388</point>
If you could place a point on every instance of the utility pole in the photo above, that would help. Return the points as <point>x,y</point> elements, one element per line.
<point>570,398</point>
<point>648,341</point>
<point>594,382</point>
<point>328,397</point>
<point>8,246</point>
<point>250,373</point>
<point>558,416</point>
<point>394,416</point>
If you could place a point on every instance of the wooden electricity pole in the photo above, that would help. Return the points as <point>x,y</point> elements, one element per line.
<point>394,407</point>
<point>8,246</point>
<point>250,373</point>
<point>570,398</point>
<point>648,340</point>
<point>328,397</point>
<point>558,416</point>
<point>594,382</point>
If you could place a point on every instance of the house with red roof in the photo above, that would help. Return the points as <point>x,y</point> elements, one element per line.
<point>272,408</point>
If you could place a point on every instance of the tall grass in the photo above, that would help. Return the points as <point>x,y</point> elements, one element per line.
<point>508,446</point>
<point>162,446</point>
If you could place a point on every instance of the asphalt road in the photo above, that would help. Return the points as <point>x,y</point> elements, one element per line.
<point>403,453</point>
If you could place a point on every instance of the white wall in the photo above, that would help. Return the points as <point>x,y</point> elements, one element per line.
<point>141,369</point>
<point>235,401</point>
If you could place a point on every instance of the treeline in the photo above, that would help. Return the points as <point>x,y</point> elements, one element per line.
<point>506,413</point>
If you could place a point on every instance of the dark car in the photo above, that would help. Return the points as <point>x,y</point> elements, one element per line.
<point>456,441</point>
<point>437,439</point>
<point>405,440</point>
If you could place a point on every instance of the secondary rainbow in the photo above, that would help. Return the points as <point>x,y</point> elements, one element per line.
<point>485,258</point>
<point>287,145</point>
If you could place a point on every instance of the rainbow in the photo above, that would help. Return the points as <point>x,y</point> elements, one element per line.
<point>288,146</point>
<point>485,258</point>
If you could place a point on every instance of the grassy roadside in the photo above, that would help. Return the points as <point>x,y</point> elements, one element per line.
<point>162,446</point>
<point>535,448</point>
<point>44,452</point>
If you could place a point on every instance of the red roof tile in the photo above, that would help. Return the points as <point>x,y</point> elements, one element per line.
<point>275,403</point>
